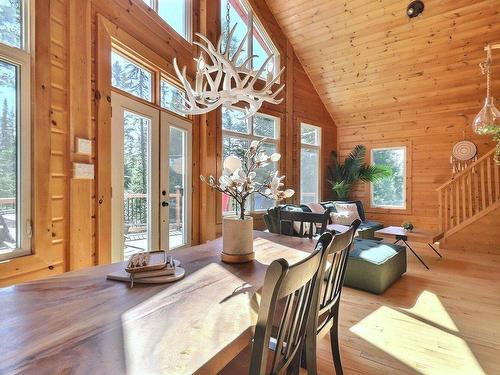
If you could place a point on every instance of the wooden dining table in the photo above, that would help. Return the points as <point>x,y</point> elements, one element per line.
<point>82,323</point>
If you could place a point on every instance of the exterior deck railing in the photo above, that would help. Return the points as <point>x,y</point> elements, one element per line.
<point>136,210</point>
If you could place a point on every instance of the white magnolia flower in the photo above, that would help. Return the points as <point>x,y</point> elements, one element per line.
<point>232,163</point>
<point>262,157</point>
<point>275,157</point>
<point>239,179</point>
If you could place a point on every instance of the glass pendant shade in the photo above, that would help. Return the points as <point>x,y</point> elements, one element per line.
<point>487,118</point>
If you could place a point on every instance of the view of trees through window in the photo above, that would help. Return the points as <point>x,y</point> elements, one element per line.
<point>171,97</point>
<point>309,163</point>
<point>130,77</point>
<point>261,48</point>
<point>237,134</point>
<point>136,132</point>
<point>390,192</point>
<point>11,36</point>
<point>11,23</point>
<point>8,155</point>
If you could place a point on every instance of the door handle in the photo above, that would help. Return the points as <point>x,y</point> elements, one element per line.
<point>164,204</point>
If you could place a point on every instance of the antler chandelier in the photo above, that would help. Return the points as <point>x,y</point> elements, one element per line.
<point>223,81</point>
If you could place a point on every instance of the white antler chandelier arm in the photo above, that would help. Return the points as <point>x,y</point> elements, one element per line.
<point>222,81</point>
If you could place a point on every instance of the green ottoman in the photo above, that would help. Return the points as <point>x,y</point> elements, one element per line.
<point>374,266</point>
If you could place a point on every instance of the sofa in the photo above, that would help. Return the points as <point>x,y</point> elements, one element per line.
<point>373,265</point>
<point>366,229</point>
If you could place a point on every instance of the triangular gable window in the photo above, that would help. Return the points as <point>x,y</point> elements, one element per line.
<point>239,12</point>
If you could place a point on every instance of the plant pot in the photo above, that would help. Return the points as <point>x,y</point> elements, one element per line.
<point>237,239</point>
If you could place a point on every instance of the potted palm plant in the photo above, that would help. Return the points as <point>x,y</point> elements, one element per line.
<point>354,169</point>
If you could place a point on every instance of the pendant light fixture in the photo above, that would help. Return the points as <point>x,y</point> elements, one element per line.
<point>489,116</point>
<point>222,78</point>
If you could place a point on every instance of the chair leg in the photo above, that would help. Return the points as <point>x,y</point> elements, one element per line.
<point>309,359</point>
<point>294,368</point>
<point>334,342</point>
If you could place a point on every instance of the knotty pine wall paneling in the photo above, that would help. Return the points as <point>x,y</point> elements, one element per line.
<point>72,218</point>
<point>49,93</point>
<point>386,78</point>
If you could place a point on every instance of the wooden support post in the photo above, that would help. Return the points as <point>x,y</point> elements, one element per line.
<point>81,231</point>
<point>103,149</point>
<point>209,123</point>
<point>42,240</point>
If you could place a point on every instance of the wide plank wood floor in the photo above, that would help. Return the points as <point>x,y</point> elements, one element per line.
<point>442,321</point>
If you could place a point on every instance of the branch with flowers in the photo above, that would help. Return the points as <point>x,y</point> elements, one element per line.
<point>239,177</point>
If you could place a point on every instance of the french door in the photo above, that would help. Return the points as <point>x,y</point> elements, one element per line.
<point>150,178</point>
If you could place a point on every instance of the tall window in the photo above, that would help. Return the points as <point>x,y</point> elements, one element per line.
<point>310,140</point>
<point>260,45</point>
<point>391,191</point>
<point>15,179</point>
<point>237,134</point>
<point>176,13</point>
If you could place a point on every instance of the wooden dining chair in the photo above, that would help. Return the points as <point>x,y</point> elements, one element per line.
<point>310,223</point>
<point>283,316</point>
<point>324,317</point>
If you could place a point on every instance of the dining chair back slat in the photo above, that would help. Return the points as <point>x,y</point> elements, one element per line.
<point>316,223</point>
<point>293,288</point>
<point>326,299</point>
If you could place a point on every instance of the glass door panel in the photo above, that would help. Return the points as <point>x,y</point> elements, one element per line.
<point>134,181</point>
<point>176,134</point>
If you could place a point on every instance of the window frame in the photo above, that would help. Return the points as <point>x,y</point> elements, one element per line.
<point>188,19</point>
<point>21,58</point>
<point>254,22</point>
<point>405,179</point>
<point>315,147</point>
<point>250,136</point>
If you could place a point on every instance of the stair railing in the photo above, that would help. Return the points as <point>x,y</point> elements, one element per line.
<point>469,192</point>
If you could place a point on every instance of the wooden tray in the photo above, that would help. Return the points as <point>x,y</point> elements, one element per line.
<point>123,275</point>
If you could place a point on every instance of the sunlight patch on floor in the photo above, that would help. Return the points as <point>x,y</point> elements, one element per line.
<point>430,308</point>
<point>424,337</point>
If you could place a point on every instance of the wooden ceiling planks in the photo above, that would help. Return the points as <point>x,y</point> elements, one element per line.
<point>387,78</point>
<point>358,50</point>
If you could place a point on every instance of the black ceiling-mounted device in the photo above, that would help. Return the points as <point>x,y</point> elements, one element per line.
<point>415,9</point>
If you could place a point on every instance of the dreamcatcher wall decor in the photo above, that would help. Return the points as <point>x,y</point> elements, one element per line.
<point>464,153</point>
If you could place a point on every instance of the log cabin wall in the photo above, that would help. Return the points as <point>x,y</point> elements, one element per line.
<point>49,91</point>
<point>389,80</point>
<point>71,97</point>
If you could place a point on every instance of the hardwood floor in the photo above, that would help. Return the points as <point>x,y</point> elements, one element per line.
<point>442,321</point>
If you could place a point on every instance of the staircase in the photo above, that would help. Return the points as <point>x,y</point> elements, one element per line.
<point>469,204</point>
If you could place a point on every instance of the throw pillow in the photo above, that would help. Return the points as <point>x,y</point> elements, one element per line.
<point>316,208</point>
<point>345,213</point>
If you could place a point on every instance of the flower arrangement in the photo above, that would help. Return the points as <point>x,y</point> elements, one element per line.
<point>239,177</point>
